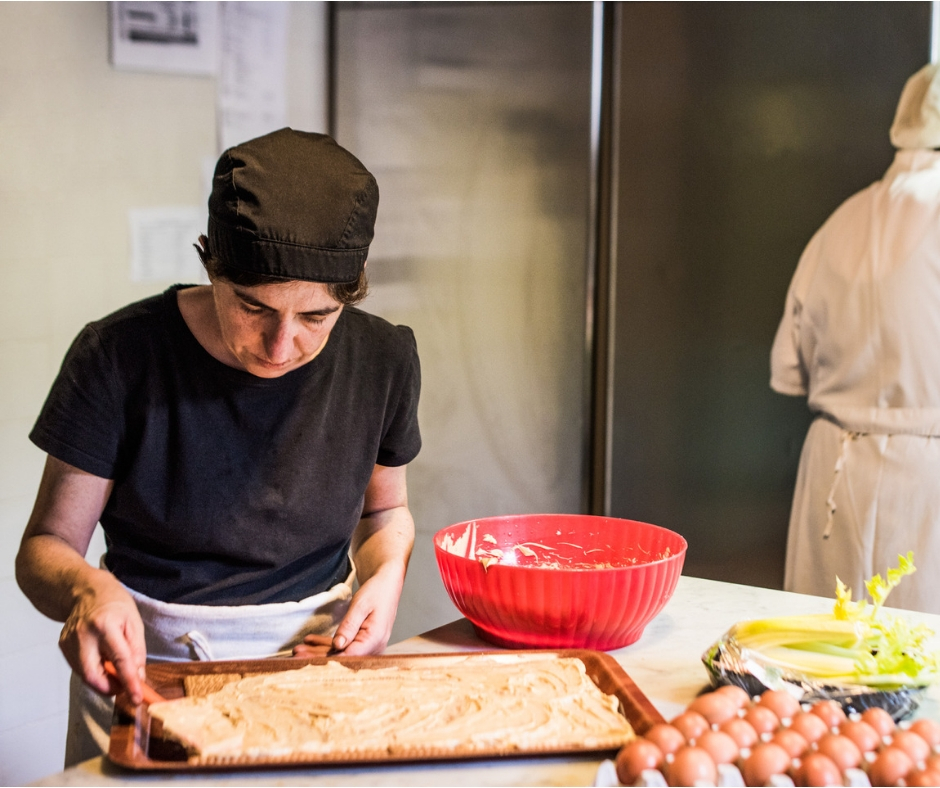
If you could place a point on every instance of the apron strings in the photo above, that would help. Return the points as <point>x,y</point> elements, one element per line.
<point>199,645</point>
<point>837,471</point>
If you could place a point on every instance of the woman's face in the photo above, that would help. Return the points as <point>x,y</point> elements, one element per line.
<point>273,329</point>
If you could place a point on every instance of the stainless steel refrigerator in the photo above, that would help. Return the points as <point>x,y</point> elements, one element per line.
<point>589,215</point>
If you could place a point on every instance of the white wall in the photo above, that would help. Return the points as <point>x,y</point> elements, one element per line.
<point>80,143</point>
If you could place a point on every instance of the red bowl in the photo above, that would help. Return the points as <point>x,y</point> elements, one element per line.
<point>559,580</point>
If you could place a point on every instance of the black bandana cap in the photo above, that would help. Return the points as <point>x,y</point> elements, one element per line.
<point>293,204</point>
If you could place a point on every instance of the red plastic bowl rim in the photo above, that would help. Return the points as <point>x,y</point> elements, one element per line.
<point>501,518</point>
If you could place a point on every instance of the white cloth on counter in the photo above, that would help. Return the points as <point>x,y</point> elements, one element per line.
<point>860,337</point>
<point>180,633</point>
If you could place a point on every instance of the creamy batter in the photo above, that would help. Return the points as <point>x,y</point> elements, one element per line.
<point>478,704</point>
<point>537,555</point>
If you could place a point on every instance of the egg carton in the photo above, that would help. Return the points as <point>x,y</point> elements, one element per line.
<point>729,776</point>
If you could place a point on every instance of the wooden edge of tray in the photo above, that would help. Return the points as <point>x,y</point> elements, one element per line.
<point>136,742</point>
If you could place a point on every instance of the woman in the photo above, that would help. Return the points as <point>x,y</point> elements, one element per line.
<point>243,444</point>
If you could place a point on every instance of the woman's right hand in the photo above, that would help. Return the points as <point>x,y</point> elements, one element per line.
<point>104,624</point>
<point>101,619</point>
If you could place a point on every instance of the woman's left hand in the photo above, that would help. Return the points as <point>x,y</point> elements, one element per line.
<point>367,625</point>
<point>381,547</point>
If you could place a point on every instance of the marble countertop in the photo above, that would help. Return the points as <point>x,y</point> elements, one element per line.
<point>665,663</point>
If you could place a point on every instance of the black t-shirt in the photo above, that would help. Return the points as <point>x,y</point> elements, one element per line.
<point>229,488</point>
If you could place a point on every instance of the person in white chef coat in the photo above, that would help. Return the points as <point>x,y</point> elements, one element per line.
<point>243,445</point>
<point>860,338</point>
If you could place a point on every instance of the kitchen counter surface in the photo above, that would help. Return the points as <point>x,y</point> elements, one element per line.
<point>665,663</point>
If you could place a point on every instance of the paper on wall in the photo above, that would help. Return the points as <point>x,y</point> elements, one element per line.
<point>252,87</point>
<point>162,243</point>
<point>178,38</point>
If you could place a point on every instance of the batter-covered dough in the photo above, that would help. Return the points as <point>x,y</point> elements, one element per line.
<point>478,703</point>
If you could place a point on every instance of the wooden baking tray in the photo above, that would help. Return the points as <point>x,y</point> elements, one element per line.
<point>136,741</point>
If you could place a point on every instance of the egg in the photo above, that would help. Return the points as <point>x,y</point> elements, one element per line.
<point>780,702</point>
<point>880,720</point>
<point>738,695</point>
<point>714,707</point>
<point>762,719</point>
<point>911,743</point>
<point>843,751</point>
<point>632,759</point>
<point>691,766</point>
<point>691,724</point>
<point>666,737</point>
<point>829,712</point>
<point>719,745</point>
<point>810,726</point>
<point>865,737</point>
<point>791,741</point>
<point>890,767</point>
<point>928,730</point>
<point>741,731</point>
<point>765,760</point>
<point>817,769</point>
<point>922,777</point>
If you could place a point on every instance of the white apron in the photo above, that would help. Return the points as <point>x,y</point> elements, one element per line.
<point>860,501</point>
<point>178,633</point>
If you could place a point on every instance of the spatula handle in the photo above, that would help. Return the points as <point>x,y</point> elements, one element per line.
<point>149,693</point>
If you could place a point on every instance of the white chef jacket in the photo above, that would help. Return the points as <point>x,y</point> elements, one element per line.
<point>860,337</point>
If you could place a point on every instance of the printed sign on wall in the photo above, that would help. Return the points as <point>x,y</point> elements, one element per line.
<point>174,37</point>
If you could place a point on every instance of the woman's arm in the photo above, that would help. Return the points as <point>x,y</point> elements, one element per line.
<point>381,547</point>
<point>101,619</point>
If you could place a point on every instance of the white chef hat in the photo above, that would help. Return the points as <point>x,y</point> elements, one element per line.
<point>917,120</point>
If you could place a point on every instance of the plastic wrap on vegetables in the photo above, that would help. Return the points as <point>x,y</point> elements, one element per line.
<point>858,655</point>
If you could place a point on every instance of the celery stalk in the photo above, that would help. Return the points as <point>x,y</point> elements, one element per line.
<point>856,643</point>
<point>784,630</point>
